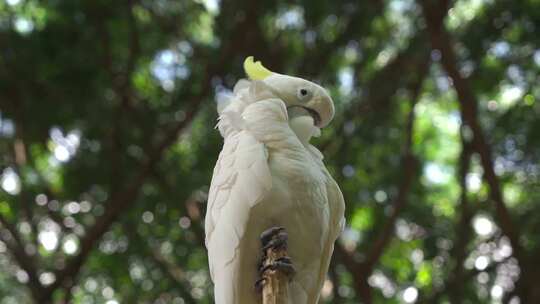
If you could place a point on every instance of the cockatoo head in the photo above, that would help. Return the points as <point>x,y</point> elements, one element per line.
<point>298,94</point>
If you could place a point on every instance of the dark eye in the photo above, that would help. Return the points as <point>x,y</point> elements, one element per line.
<point>303,94</point>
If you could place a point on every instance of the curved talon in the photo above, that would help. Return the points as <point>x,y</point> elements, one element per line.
<point>282,264</point>
<point>259,284</point>
<point>287,268</point>
<point>279,241</point>
<point>284,259</point>
<point>268,234</point>
<point>267,267</point>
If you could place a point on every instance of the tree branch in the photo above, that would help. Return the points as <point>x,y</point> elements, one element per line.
<point>409,165</point>
<point>356,25</point>
<point>25,261</point>
<point>463,228</point>
<point>413,60</point>
<point>434,14</point>
<point>191,204</point>
<point>357,270</point>
<point>362,270</point>
<point>467,275</point>
<point>174,272</point>
<point>275,284</point>
<point>119,202</point>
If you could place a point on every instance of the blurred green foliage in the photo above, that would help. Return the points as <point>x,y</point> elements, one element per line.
<point>107,144</point>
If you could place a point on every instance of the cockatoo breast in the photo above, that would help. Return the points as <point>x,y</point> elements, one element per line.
<point>299,202</point>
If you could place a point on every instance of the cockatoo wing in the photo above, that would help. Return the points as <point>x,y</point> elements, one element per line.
<point>337,220</point>
<point>241,179</point>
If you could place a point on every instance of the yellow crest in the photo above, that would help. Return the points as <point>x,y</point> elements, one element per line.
<point>255,70</point>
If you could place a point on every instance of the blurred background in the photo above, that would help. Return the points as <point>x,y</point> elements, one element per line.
<point>107,143</point>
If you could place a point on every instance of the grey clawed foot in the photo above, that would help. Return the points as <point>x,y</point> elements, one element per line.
<point>270,233</point>
<point>283,264</point>
<point>274,238</point>
<point>278,242</point>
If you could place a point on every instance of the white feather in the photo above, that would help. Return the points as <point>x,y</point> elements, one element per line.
<point>266,176</point>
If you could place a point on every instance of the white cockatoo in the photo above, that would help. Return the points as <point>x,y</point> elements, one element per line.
<point>269,175</point>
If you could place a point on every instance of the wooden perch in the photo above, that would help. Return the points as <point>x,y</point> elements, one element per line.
<point>276,283</point>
